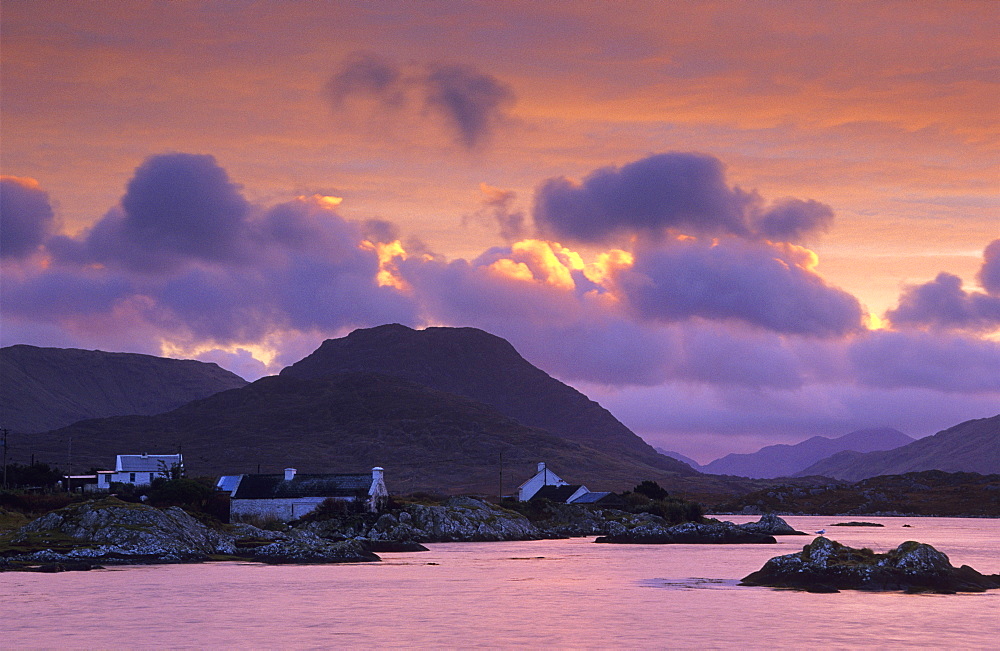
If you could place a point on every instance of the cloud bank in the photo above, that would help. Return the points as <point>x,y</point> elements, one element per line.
<point>705,295</point>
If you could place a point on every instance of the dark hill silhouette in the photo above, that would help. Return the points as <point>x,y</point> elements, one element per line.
<point>785,460</point>
<point>680,457</point>
<point>486,368</point>
<point>972,446</point>
<point>426,439</point>
<point>45,388</point>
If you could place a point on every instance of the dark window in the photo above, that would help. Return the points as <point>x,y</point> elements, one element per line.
<point>131,477</point>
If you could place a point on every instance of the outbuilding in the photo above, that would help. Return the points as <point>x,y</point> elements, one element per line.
<point>291,495</point>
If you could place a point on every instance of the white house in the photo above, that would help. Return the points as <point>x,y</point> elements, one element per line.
<point>141,469</point>
<point>293,494</point>
<point>544,477</point>
<point>548,485</point>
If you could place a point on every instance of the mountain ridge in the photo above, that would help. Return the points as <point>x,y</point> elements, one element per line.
<point>483,367</point>
<point>783,460</point>
<point>970,446</point>
<point>45,388</point>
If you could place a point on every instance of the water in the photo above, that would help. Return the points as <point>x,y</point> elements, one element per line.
<point>561,593</point>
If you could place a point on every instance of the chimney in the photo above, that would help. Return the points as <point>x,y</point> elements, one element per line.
<point>377,473</point>
<point>289,474</point>
<point>541,466</point>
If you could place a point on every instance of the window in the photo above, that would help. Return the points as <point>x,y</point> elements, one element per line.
<point>131,478</point>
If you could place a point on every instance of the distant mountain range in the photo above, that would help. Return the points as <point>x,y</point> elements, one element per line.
<point>972,446</point>
<point>786,460</point>
<point>45,388</point>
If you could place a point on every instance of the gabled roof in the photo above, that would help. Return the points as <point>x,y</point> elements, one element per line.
<point>146,462</point>
<point>302,485</point>
<point>591,498</point>
<point>556,493</point>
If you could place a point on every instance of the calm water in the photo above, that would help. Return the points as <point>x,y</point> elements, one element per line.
<point>562,593</point>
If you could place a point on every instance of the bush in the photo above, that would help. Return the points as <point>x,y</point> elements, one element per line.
<point>652,490</point>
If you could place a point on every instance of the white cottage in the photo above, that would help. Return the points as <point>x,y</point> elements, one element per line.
<point>544,477</point>
<point>141,469</point>
<point>293,494</point>
<point>548,485</point>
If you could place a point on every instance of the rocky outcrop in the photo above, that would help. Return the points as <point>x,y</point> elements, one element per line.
<point>111,531</point>
<point>827,566</point>
<point>715,533</point>
<point>460,519</point>
<point>771,525</point>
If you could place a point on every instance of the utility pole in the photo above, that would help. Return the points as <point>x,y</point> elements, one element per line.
<point>500,484</point>
<point>5,431</point>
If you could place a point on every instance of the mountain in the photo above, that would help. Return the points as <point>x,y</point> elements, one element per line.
<point>425,439</point>
<point>972,446</point>
<point>483,367</point>
<point>786,460</point>
<point>680,457</point>
<point>45,388</point>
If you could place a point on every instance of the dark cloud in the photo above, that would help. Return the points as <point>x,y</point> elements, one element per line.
<point>736,280</point>
<point>989,273</point>
<point>177,207</point>
<point>684,191</point>
<point>367,74</point>
<point>791,220</point>
<point>676,191</point>
<point>942,303</point>
<point>473,103</point>
<point>25,217</point>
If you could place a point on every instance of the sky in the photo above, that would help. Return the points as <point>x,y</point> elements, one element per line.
<point>733,224</point>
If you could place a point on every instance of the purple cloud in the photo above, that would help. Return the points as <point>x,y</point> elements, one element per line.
<point>177,207</point>
<point>498,208</point>
<point>989,273</point>
<point>740,281</point>
<point>791,220</point>
<point>26,217</point>
<point>685,191</point>
<point>472,102</point>
<point>942,303</point>
<point>932,361</point>
<point>368,74</point>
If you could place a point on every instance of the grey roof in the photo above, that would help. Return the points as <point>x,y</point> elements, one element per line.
<point>590,498</point>
<point>303,485</point>
<point>147,462</point>
<point>556,493</point>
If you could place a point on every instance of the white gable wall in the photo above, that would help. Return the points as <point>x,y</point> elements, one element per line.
<point>544,477</point>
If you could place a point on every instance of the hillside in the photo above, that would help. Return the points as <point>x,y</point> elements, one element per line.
<point>425,439</point>
<point>485,368</point>
<point>785,460</point>
<point>680,457</point>
<point>930,492</point>
<point>45,388</point>
<point>972,446</point>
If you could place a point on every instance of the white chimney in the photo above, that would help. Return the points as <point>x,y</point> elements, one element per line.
<point>289,474</point>
<point>377,473</point>
<point>541,466</point>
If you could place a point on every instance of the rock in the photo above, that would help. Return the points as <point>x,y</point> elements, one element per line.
<point>854,523</point>
<point>772,525</point>
<point>111,530</point>
<point>912,566</point>
<point>460,519</point>
<point>717,533</point>
<point>117,532</point>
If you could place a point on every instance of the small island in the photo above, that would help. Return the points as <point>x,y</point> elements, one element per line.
<point>827,566</point>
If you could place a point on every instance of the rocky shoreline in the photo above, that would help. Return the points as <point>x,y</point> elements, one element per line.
<point>112,532</point>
